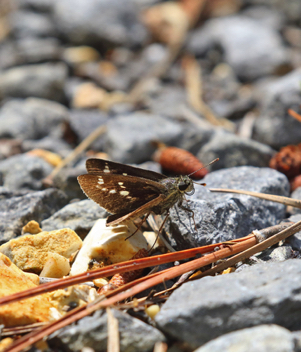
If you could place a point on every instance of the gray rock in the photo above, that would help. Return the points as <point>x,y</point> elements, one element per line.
<point>278,254</point>
<point>36,50</point>
<point>234,151</point>
<point>266,15</point>
<point>261,338</point>
<point>36,5</point>
<point>51,143</point>
<point>295,240</point>
<point>195,137</point>
<point>78,216</point>
<point>17,208</point>
<point>31,24</point>
<point>66,181</point>
<point>202,310</point>
<point>94,22</point>
<point>224,93</point>
<point>167,100</point>
<point>297,338</point>
<point>221,217</point>
<point>41,81</point>
<point>135,336</point>
<point>32,118</point>
<point>289,9</point>
<point>24,172</point>
<point>295,195</point>
<point>129,138</point>
<point>84,122</point>
<point>238,35</point>
<point>275,126</point>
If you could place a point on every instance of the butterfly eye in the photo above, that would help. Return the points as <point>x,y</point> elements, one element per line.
<point>183,186</point>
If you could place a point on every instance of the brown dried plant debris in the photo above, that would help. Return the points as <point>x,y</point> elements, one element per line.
<point>179,162</point>
<point>288,160</point>
<point>119,280</point>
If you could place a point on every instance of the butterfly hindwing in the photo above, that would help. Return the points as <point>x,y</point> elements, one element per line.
<point>96,166</point>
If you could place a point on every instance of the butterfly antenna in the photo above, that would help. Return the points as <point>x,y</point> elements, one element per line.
<point>211,162</point>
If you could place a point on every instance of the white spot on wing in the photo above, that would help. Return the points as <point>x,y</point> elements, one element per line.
<point>106,171</point>
<point>104,189</point>
<point>124,193</point>
<point>120,183</point>
<point>100,180</point>
<point>113,191</point>
<point>124,174</point>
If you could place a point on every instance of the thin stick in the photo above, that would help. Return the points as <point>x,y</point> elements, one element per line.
<point>294,114</point>
<point>193,77</point>
<point>78,150</point>
<point>282,235</point>
<point>113,332</point>
<point>278,199</point>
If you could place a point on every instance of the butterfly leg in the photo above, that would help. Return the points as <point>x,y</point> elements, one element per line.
<point>140,225</point>
<point>190,211</point>
<point>160,229</point>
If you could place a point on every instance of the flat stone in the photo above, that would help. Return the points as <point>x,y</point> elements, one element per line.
<point>24,171</point>
<point>221,217</point>
<point>37,50</point>
<point>36,5</point>
<point>235,151</point>
<point>41,80</point>
<point>261,338</point>
<point>295,240</point>
<point>66,181</point>
<point>50,143</point>
<point>237,35</point>
<point>128,138</point>
<point>32,24</point>
<point>84,122</point>
<point>202,310</point>
<point>79,216</point>
<point>275,127</point>
<point>94,22</point>
<point>135,336</point>
<point>17,209</point>
<point>32,118</point>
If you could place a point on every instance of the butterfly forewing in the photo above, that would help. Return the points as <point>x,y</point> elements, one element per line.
<point>96,166</point>
<point>119,194</point>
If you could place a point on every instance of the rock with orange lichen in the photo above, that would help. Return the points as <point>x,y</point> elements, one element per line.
<point>30,252</point>
<point>31,227</point>
<point>32,310</point>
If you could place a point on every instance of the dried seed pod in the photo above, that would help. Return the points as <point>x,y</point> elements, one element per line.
<point>119,280</point>
<point>288,160</point>
<point>180,162</point>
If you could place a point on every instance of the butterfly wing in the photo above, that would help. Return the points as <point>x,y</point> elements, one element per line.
<point>120,194</point>
<point>96,166</point>
<point>145,208</point>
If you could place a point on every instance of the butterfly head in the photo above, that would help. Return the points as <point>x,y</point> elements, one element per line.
<point>185,185</point>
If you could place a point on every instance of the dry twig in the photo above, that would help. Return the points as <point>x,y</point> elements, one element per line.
<point>113,333</point>
<point>271,197</point>
<point>294,114</point>
<point>74,154</point>
<point>193,78</point>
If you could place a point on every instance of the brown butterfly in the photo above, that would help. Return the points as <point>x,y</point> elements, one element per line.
<point>129,192</point>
